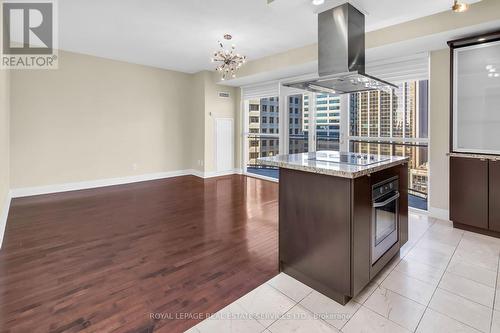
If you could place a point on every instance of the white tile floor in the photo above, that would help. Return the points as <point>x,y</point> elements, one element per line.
<point>445,280</point>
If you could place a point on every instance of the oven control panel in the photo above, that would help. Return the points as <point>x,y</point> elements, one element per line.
<point>385,187</point>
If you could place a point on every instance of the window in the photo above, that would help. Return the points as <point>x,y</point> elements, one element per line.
<point>262,117</point>
<point>400,114</point>
<point>390,123</point>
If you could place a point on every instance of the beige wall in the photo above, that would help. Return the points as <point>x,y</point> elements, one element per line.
<point>95,119</point>
<point>197,121</point>
<point>4,143</point>
<point>439,132</point>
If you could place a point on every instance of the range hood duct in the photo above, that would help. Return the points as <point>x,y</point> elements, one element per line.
<point>341,55</point>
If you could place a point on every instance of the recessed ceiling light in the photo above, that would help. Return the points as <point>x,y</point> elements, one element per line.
<point>481,39</point>
<point>488,67</point>
<point>318,2</point>
<point>496,75</point>
<point>490,75</point>
<point>459,7</point>
<point>493,70</point>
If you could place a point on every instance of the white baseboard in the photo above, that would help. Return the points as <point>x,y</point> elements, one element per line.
<point>214,174</point>
<point>3,217</point>
<point>418,211</point>
<point>438,213</point>
<point>29,191</point>
<point>38,190</point>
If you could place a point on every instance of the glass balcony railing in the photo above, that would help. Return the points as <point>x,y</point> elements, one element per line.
<point>418,171</point>
<point>262,146</point>
<point>298,143</point>
<point>324,142</point>
<point>418,165</point>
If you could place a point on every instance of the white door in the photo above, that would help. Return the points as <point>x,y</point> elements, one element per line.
<point>224,145</point>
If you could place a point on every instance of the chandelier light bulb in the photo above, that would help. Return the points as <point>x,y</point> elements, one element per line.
<point>459,7</point>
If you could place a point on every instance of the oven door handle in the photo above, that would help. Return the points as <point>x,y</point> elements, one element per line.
<point>391,199</point>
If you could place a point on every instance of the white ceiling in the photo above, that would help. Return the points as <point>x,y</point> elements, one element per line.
<point>182,34</point>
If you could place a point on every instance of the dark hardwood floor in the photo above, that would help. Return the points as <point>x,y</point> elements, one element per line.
<point>106,260</point>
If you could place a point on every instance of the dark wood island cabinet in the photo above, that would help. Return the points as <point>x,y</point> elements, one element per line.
<point>326,222</point>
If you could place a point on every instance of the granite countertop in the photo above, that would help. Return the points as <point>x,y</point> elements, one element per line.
<point>312,162</point>
<point>478,156</point>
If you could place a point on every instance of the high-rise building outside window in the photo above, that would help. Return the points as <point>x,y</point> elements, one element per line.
<point>394,123</point>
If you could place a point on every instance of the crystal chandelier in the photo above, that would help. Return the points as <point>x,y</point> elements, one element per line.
<point>229,61</point>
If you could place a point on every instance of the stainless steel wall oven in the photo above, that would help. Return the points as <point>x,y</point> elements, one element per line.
<point>385,217</point>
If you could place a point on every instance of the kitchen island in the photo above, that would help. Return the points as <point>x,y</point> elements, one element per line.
<point>342,217</point>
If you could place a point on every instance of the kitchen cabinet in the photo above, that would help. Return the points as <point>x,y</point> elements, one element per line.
<point>475,94</point>
<point>469,191</point>
<point>494,195</point>
<point>325,227</point>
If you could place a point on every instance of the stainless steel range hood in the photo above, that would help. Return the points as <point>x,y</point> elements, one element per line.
<point>341,55</point>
